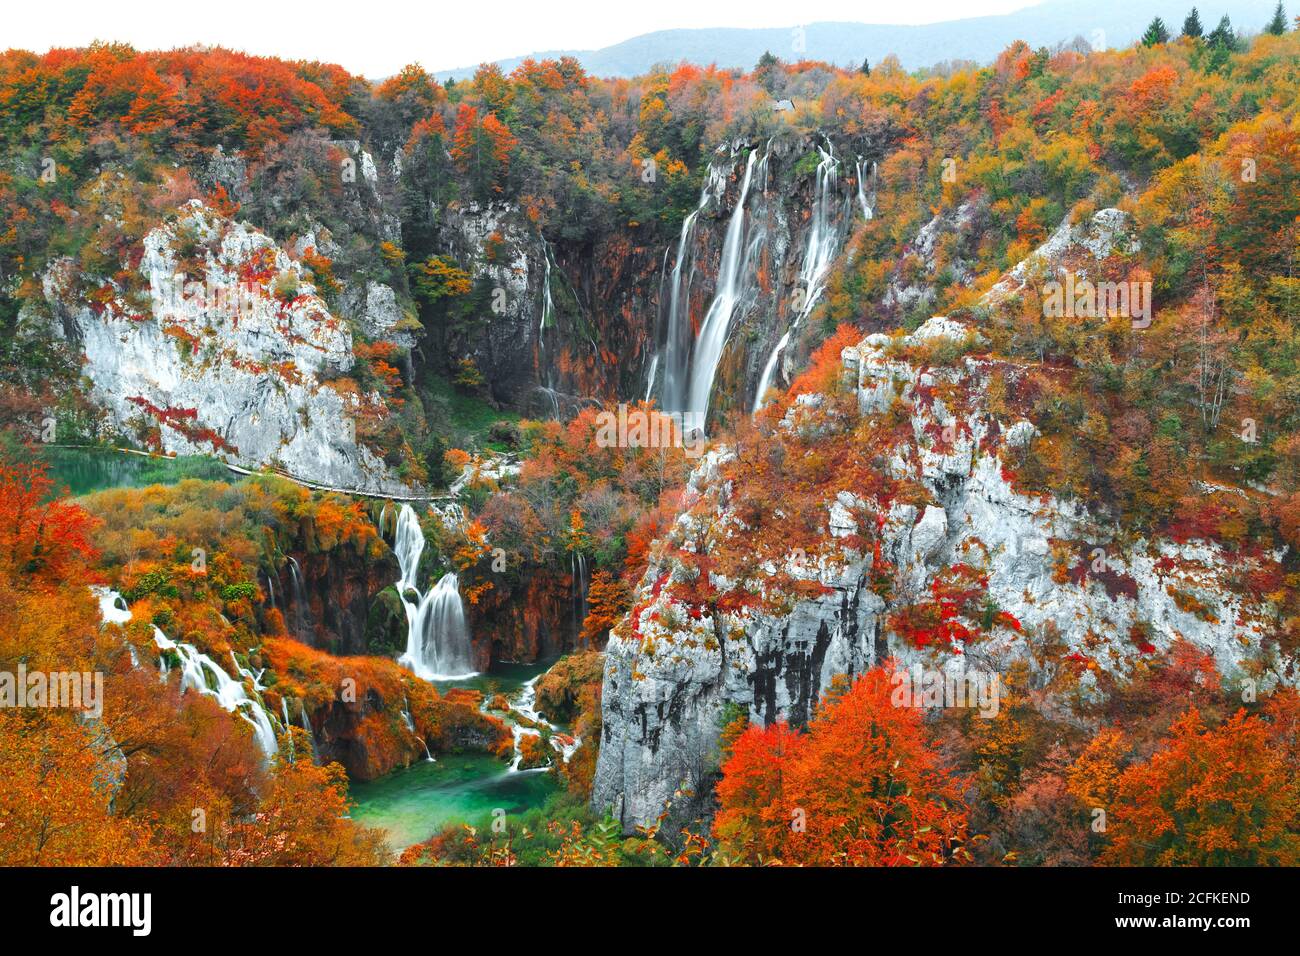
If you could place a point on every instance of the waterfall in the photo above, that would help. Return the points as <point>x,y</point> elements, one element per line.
<point>650,376</point>
<point>200,672</point>
<point>677,345</point>
<point>437,639</point>
<point>299,601</point>
<point>311,734</point>
<point>112,606</point>
<point>579,566</point>
<point>284,721</point>
<point>679,332</point>
<point>408,545</point>
<point>867,212</point>
<point>525,704</point>
<point>737,257</point>
<point>769,371</point>
<point>545,368</point>
<point>230,694</point>
<point>824,236</point>
<point>410,725</point>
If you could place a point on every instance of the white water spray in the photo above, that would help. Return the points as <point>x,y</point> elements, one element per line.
<point>824,237</point>
<point>201,673</point>
<point>437,639</point>
<point>737,256</point>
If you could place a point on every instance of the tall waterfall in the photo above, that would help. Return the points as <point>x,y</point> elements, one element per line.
<point>824,237</point>
<point>863,202</point>
<point>301,618</point>
<point>201,673</point>
<point>739,258</point>
<point>437,637</point>
<point>545,361</point>
<point>679,333</point>
<point>580,585</point>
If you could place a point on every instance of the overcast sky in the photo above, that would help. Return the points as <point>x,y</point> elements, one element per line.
<point>375,39</point>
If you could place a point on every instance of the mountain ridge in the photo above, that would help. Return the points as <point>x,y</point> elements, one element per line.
<point>1109,23</point>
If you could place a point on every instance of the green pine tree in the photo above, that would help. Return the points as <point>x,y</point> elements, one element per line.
<point>1223,35</point>
<point>1277,26</point>
<point>1156,33</point>
<point>1192,25</point>
<point>865,69</point>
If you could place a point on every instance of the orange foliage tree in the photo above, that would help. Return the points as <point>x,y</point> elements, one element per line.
<point>860,788</point>
<point>1211,797</point>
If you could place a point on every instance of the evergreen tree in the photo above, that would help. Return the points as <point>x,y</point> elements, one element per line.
<point>1192,25</point>
<point>1223,35</point>
<point>1277,26</point>
<point>865,69</point>
<point>767,70</point>
<point>1156,33</point>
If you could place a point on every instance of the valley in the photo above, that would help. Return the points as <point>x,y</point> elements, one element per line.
<point>316,441</point>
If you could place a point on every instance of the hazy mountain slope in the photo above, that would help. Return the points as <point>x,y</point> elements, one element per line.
<point>976,38</point>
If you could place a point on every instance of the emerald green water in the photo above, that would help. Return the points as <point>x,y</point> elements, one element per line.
<point>414,804</point>
<point>502,679</point>
<point>87,470</point>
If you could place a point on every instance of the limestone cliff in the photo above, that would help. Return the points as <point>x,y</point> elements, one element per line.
<point>1067,584</point>
<point>228,351</point>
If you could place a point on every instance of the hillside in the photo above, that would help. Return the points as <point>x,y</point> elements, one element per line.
<point>604,451</point>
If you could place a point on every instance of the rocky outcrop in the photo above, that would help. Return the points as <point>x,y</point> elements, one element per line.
<point>376,309</point>
<point>1058,576</point>
<point>342,603</point>
<point>1074,245</point>
<point>528,620</point>
<point>507,262</point>
<point>229,352</point>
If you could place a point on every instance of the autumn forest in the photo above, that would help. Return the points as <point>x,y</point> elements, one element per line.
<point>802,465</point>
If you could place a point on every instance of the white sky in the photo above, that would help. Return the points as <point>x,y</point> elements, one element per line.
<point>376,39</point>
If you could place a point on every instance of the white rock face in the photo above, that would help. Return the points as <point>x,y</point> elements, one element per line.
<point>380,315</point>
<point>1060,572</point>
<point>1108,231</point>
<point>220,364</point>
<point>904,294</point>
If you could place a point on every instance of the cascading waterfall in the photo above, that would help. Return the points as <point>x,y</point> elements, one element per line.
<point>437,640</point>
<point>739,256</point>
<point>200,672</point>
<point>230,694</point>
<point>863,203</point>
<point>580,583</point>
<point>824,237</point>
<point>525,704</point>
<point>679,332</point>
<point>410,725</point>
<point>299,600</point>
